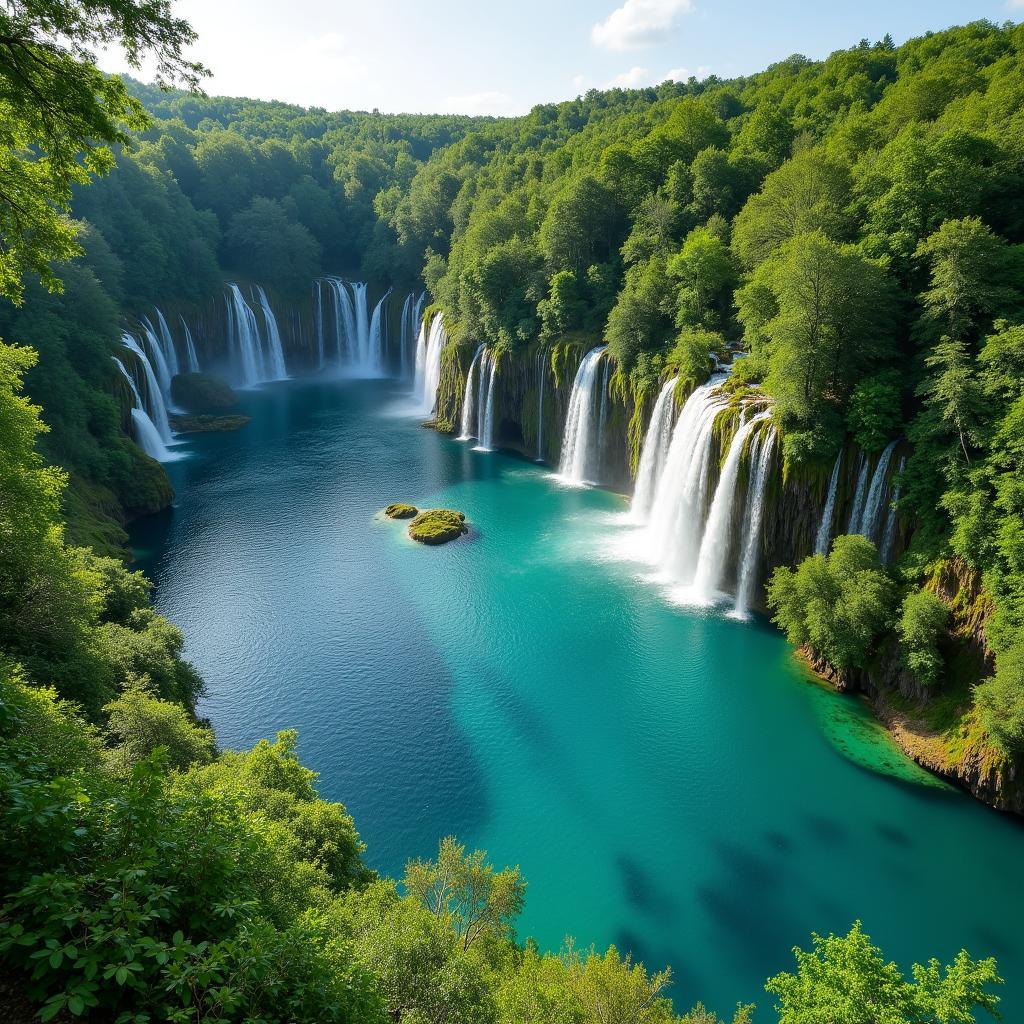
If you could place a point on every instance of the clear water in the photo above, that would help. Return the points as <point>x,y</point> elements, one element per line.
<point>671,782</point>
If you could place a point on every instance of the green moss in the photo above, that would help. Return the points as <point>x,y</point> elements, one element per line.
<point>400,511</point>
<point>206,424</point>
<point>438,526</point>
<point>198,392</point>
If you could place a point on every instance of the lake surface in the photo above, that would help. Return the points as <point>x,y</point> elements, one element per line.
<point>669,781</point>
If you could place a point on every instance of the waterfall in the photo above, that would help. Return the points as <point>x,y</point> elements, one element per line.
<point>543,374</point>
<point>318,323</point>
<point>753,517</point>
<point>825,529</point>
<point>487,409</point>
<point>580,460</point>
<point>146,433</point>
<point>167,343</point>
<point>407,326</point>
<point>190,348</point>
<point>376,351</point>
<point>274,353</point>
<point>154,405</point>
<point>655,451</point>
<point>468,424</point>
<point>362,353</point>
<point>876,493</point>
<point>672,536</point>
<point>244,338</point>
<point>156,357</point>
<point>889,536</point>
<point>428,364</point>
<point>716,545</point>
<point>859,494</point>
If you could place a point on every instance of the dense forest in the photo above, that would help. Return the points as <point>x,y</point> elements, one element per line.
<point>852,225</point>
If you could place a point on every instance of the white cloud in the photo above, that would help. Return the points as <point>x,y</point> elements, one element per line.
<point>639,23</point>
<point>685,74</point>
<point>479,103</point>
<point>634,78</point>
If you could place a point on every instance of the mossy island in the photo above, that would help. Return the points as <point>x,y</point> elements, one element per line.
<point>438,526</point>
<point>400,511</point>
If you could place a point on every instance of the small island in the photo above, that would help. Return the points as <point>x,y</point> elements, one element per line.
<point>400,511</point>
<point>438,526</point>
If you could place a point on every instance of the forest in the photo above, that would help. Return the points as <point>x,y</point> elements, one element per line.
<point>852,225</point>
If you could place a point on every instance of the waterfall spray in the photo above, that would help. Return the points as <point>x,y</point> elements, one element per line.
<point>273,356</point>
<point>145,430</point>
<point>873,505</point>
<point>190,348</point>
<point>825,529</point>
<point>468,421</point>
<point>428,364</point>
<point>580,462</point>
<point>753,518</point>
<point>487,410</point>
<point>154,405</point>
<point>655,451</point>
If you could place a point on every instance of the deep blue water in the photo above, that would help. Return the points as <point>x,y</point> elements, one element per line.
<point>669,781</point>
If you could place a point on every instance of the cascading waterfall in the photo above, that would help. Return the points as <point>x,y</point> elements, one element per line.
<point>146,433</point>
<point>487,408</point>
<point>428,364</point>
<point>157,359</point>
<point>468,425</point>
<point>190,348</point>
<point>154,406</point>
<point>362,323</point>
<point>672,537</point>
<point>868,524</point>
<point>825,529</point>
<point>167,343</point>
<point>318,323</point>
<point>406,328</point>
<point>655,451</point>
<point>274,352</point>
<point>889,536</point>
<point>376,353</point>
<point>244,338</point>
<point>753,518</point>
<point>348,333</point>
<point>580,457</point>
<point>542,374</point>
<point>859,494</point>
<point>716,545</point>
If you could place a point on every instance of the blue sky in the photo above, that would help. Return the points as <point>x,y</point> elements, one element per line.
<point>501,58</point>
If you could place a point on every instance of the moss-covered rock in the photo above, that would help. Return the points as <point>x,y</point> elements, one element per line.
<point>206,424</point>
<point>438,526</point>
<point>400,511</point>
<point>201,393</point>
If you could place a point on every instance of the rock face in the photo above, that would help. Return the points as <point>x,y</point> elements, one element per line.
<point>201,393</point>
<point>400,511</point>
<point>438,526</point>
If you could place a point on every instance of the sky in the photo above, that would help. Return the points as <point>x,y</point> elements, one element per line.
<point>490,57</point>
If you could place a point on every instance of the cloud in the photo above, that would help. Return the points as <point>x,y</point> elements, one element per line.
<point>479,103</point>
<point>685,74</point>
<point>639,23</point>
<point>634,78</point>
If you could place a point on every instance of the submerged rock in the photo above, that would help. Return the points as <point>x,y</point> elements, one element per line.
<point>400,511</point>
<point>438,526</point>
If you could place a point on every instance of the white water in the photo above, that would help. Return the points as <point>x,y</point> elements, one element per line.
<point>580,456</point>
<point>889,536</point>
<point>487,408</point>
<point>190,349</point>
<point>349,335</point>
<point>157,359</point>
<point>468,424</point>
<point>753,518</point>
<point>716,544</point>
<point>859,494</point>
<point>542,371</point>
<point>671,540</point>
<point>868,524</point>
<point>146,434</point>
<point>405,335</point>
<point>825,529</point>
<point>654,453</point>
<point>153,405</point>
<point>377,355</point>
<point>273,351</point>
<point>428,365</point>
<point>244,339</point>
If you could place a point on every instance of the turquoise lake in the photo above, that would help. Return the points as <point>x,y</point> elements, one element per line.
<point>669,781</point>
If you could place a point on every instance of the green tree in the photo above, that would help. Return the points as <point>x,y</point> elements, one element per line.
<point>921,626</point>
<point>263,242</point>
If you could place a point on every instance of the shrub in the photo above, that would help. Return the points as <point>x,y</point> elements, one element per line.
<point>922,622</point>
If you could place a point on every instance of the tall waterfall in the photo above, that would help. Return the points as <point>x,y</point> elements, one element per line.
<point>488,366</point>
<point>753,519</point>
<point>889,535</point>
<point>154,405</point>
<point>377,349</point>
<point>859,494</point>
<point>428,364</point>
<point>469,426</point>
<point>716,545</point>
<point>190,348</point>
<point>167,343</point>
<point>157,357</point>
<point>273,350</point>
<point>825,529</point>
<point>412,310</point>
<point>868,524</point>
<point>676,520</point>
<point>654,453</point>
<point>146,433</point>
<point>362,324</point>
<point>580,463</point>
<point>348,334</point>
<point>542,373</point>
<point>318,323</point>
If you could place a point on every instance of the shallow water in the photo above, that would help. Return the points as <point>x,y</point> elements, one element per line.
<point>669,780</point>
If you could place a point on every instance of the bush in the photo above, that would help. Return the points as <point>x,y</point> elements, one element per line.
<point>1000,700</point>
<point>922,622</point>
